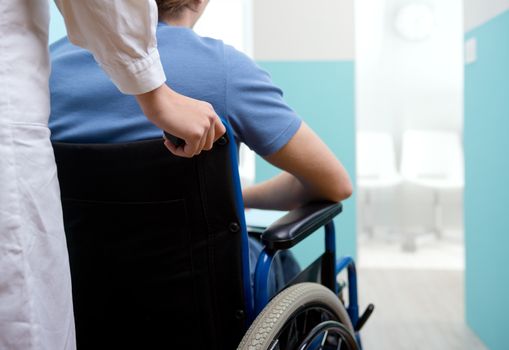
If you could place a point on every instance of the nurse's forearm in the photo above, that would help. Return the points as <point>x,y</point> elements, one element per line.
<point>121,34</point>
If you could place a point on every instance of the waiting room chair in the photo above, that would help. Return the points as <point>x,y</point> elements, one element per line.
<point>433,160</point>
<point>376,169</point>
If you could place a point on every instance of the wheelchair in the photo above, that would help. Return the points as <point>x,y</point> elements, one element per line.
<point>158,250</point>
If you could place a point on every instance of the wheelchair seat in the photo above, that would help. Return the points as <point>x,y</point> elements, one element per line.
<point>146,274</point>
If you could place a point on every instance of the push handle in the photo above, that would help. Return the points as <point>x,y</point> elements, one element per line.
<point>177,142</point>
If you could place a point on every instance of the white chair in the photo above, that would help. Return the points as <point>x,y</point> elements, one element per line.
<point>433,160</point>
<point>376,167</point>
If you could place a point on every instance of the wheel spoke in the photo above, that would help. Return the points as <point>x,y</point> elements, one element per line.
<point>275,345</point>
<point>305,322</point>
<point>292,332</point>
<point>324,339</point>
<point>340,342</point>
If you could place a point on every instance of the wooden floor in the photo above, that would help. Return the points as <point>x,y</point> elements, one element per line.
<point>415,309</point>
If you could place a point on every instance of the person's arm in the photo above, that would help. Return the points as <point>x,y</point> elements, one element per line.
<point>121,36</point>
<point>310,172</point>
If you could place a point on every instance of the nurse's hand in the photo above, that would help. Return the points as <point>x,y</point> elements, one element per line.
<point>193,121</point>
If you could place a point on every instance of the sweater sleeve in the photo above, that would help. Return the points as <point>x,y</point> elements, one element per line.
<point>255,106</point>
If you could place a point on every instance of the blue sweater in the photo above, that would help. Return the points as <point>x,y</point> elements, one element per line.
<point>86,107</point>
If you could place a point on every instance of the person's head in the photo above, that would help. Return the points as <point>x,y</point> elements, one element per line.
<point>181,12</point>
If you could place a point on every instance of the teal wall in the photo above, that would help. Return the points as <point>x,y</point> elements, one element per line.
<point>322,93</point>
<point>57,25</point>
<point>487,183</point>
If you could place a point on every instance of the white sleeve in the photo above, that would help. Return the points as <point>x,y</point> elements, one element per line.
<point>121,36</point>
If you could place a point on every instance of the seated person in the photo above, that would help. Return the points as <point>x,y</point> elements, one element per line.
<point>87,108</point>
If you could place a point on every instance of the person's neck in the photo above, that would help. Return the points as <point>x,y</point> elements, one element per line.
<point>184,20</point>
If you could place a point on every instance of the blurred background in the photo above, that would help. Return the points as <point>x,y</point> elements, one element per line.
<point>413,98</point>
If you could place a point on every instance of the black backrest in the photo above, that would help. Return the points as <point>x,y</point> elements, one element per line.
<point>154,246</point>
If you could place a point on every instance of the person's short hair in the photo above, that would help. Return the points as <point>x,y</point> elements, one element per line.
<point>171,8</point>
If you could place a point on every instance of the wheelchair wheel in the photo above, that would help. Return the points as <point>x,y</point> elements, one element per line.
<point>304,316</point>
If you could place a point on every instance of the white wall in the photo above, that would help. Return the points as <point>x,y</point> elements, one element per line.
<point>302,30</point>
<point>479,11</point>
<point>403,84</point>
<point>226,20</point>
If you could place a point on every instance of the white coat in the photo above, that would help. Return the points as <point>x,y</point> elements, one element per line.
<point>35,288</point>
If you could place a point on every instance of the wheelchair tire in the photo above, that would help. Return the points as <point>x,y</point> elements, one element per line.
<point>283,308</point>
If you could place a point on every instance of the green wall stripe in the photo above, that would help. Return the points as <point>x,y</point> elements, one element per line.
<point>487,183</point>
<point>322,93</point>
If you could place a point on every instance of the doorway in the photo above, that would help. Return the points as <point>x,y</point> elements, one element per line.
<point>409,103</point>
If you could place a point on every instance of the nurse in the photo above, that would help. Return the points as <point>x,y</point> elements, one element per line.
<point>35,289</point>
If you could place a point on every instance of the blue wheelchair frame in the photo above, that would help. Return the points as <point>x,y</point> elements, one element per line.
<point>265,259</point>
<point>255,303</point>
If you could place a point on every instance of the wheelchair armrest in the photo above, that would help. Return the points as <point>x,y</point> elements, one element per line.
<point>299,224</point>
